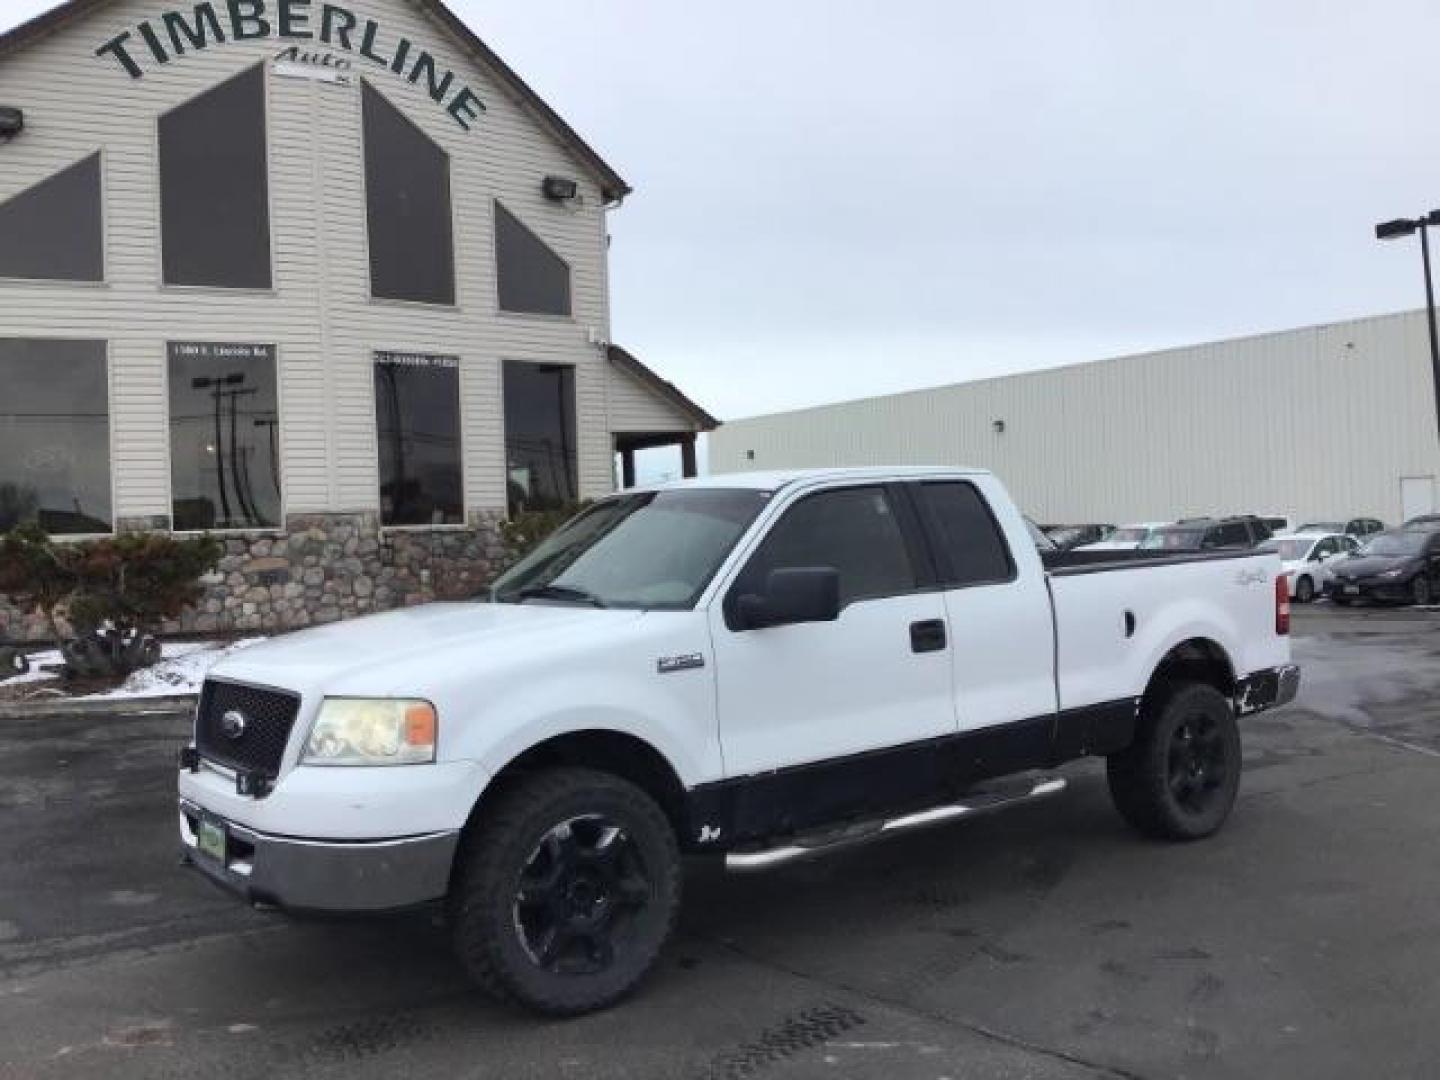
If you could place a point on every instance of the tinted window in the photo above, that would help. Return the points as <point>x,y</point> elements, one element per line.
<point>52,231</point>
<point>214,195</point>
<point>54,435</point>
<point>972,549</point>
<point>1232,535</point>
<point>417,407</point>
<point>529,276</point>
<point>224,436</point>
<point>853,529</point>
<point>540,460</point>
<point>407,203</point>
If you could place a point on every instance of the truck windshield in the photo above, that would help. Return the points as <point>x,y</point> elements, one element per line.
<point>654,550</point>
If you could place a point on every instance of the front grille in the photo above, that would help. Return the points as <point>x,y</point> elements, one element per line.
<point>268,717</point>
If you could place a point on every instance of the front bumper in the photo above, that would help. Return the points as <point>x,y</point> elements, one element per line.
<point>321,875</point>
<point>1267,689</point>
<point>1397,590</point>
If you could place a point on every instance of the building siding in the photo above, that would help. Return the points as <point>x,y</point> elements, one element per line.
<point>1317,422</point>
<point>636,408</point>
<point>319,312</point>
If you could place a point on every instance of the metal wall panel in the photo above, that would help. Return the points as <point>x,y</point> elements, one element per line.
<point>1316,422</point>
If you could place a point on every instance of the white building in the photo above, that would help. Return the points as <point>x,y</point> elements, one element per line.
<point>1320,422</point>
<point>328,278</point>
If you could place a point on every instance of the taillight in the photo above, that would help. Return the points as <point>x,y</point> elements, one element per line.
<point>1282,605</point>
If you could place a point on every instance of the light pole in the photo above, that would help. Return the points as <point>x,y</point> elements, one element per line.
<point>1393,230</point>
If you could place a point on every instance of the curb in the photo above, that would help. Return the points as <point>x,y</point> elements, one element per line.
<point>56,708</point>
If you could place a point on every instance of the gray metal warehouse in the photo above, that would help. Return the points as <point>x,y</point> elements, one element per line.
<point>1319,422</point>
<point>326,279</point>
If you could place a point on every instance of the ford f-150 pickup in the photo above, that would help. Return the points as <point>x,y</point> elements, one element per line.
<point>763,666</point>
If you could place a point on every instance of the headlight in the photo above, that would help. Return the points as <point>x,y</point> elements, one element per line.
<point>1397,572</point>
<point>372,731</point>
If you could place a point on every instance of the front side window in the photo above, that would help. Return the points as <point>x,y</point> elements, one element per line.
<point>407,207</point>
<point>214,187</point>
<point>54,435</point>
<point>530,278</point>
<point>655,550</point>
<point>972,549</point>
<point>224,436</point>
<point>853,530</point>
<point>52,231</point>
<point>417,414</point>
<point>541,465</point>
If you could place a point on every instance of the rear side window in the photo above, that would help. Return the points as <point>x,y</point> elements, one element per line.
<point>852,529</point>
<point>1228,536</point>
<point>972,550</point>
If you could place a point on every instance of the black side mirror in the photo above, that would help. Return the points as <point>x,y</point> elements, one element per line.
<point>797,594</point>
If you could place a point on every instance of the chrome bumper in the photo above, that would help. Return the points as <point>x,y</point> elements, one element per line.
<point>1267,689</point>
<point>321,875</point>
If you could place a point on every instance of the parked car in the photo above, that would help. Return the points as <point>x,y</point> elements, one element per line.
<point>767,666</point>
<point>1354,527</point>
<point>1308,559</point>
<point>1208,534</point>
<point>1401,566</point>
<point>1424,521</point>
<point>1125,538</point>
<point>1066,537</point>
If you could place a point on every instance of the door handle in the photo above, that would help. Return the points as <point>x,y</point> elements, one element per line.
<point>927,635</point>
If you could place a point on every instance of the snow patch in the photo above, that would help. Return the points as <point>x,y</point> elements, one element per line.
<point>181,670</point>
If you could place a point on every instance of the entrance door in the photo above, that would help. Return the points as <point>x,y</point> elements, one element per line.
<point>1417,496</point>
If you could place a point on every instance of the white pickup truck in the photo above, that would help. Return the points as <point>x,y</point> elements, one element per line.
<point>763,666</point>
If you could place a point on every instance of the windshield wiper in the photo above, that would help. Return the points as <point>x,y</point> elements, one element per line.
<point>559,592</point>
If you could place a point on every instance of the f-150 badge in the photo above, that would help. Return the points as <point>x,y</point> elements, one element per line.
<point>684,662</point>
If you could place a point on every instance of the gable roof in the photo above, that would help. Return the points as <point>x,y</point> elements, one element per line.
<point>662,388</point>
<point>612,184</point>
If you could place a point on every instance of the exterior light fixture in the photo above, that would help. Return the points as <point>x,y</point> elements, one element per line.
<point>560,188</point>
<point>998,426</point>
<point>1395,229</point>
<point>12,122</point>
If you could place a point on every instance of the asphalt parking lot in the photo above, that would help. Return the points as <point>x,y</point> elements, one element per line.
<point>1043,942</point>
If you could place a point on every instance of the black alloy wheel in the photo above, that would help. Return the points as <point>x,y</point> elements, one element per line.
<point>582,886</point>
<point>1178,780</point>
<point>1420,592</point>
<point>1196,763</point>
<point>566,888</point>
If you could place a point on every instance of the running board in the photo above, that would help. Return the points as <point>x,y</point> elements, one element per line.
<point>810,845</point>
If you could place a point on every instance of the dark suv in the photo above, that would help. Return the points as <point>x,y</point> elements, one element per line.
<point>1208,534</point>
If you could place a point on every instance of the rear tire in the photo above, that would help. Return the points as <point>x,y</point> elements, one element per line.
<point>1179,778</point>
<point>1304,590</point>
<point>566,891</point>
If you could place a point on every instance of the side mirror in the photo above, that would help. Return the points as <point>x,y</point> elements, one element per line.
<point>798,594</point>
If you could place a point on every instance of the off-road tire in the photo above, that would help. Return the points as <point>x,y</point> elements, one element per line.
<point>1154,796</point>
<point>1304,590</point>
<point>498,849</point>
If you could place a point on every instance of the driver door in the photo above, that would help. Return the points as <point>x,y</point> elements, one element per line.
<point>879,676</point>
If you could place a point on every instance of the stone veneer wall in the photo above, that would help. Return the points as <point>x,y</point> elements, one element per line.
<point>319,569</point>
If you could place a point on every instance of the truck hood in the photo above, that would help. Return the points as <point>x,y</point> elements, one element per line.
<point>376,649</point>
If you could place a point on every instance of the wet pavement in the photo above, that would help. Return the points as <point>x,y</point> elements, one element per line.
<point>1048,941</point>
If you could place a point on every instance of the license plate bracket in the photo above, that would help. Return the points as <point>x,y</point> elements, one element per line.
<point>211,839</point>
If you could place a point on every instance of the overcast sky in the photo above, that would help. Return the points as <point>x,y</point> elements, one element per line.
<point>842,198</point>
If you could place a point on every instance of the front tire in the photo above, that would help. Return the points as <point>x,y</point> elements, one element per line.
<point>1420,593</point>
<point>1179,778</point>
<point>567,891</point>
<point>1304,590</point>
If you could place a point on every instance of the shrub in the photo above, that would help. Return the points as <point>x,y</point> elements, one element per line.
<point>112,593</point>
<point>522,531</point>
